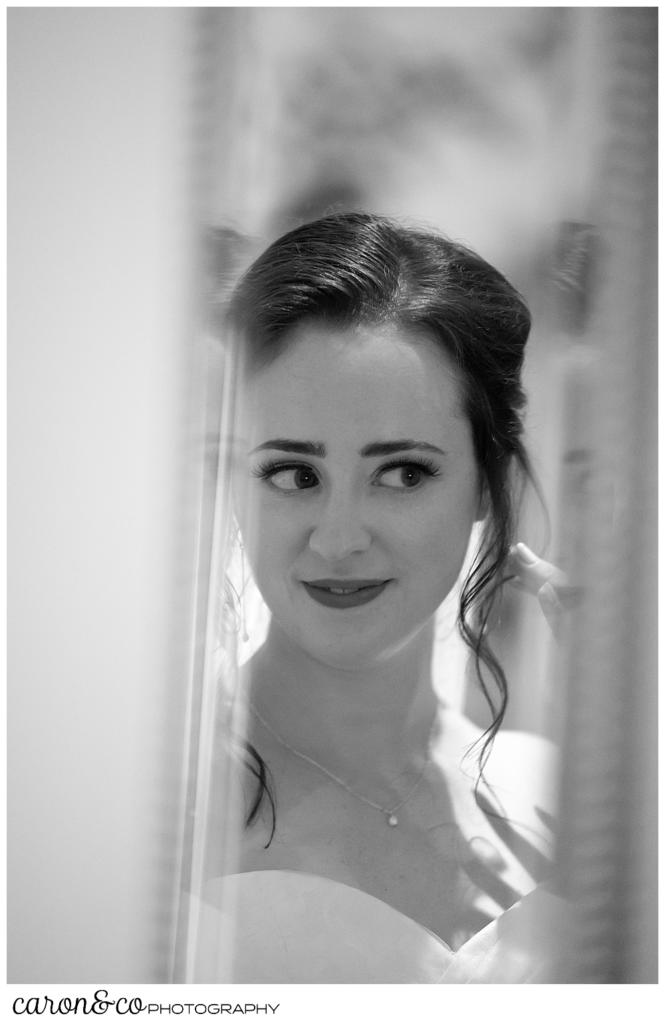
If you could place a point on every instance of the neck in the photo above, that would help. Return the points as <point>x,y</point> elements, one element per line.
<point>369,725</point>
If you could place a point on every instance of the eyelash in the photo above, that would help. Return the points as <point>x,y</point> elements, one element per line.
<point>265,470</point>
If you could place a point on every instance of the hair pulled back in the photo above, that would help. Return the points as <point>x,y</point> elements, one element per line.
<point>356,269</point>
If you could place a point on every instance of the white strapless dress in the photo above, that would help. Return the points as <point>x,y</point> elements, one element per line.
<point>288,927</point>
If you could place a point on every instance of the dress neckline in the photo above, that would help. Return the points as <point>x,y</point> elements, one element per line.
<point>298,927</point>
<point>362,894</point>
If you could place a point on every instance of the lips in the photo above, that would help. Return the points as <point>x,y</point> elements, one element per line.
<point>344,593</point>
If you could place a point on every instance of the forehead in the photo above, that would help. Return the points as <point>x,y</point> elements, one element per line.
<point>361,382</point>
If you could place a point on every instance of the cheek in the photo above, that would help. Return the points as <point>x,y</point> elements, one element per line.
<point>272,538</point>
<point>438,543</point>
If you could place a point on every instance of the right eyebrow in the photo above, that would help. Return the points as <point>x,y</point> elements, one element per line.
<point>285,444</point>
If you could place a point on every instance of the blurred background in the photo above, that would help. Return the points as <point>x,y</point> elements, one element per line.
<point>527,133</point>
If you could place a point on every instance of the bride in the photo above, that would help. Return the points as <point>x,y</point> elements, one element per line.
<point>379,420</point>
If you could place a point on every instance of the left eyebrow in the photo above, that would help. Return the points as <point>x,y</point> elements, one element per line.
<point>391,447</point>
<point>283,444</point>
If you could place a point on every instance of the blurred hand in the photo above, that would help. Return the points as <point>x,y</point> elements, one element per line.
<point>549,584</point>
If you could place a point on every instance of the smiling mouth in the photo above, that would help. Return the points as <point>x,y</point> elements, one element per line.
<point>344,593</point>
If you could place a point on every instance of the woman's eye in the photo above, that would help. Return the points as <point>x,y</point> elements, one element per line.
<point>292,478</point>
<point>403,477</point>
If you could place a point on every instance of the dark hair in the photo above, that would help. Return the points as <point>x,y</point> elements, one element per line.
<point>356,268</point>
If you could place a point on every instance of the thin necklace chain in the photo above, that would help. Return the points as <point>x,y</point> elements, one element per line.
<point>389,812</point>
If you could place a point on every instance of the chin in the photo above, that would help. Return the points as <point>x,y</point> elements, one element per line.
<point>360,652</point>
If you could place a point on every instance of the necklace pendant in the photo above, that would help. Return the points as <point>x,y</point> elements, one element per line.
<point>392,820</point>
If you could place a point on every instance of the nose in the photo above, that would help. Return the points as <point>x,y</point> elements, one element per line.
<point>339,531</point>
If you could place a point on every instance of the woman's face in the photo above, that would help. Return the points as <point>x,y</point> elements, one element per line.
<point>358,488</point>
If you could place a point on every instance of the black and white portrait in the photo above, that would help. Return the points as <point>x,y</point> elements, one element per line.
<point>332,496</point>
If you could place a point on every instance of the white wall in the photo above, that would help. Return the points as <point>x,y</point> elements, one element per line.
<point>97,552</point>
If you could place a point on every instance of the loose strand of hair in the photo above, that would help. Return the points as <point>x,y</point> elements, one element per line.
<point>257,767</point>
